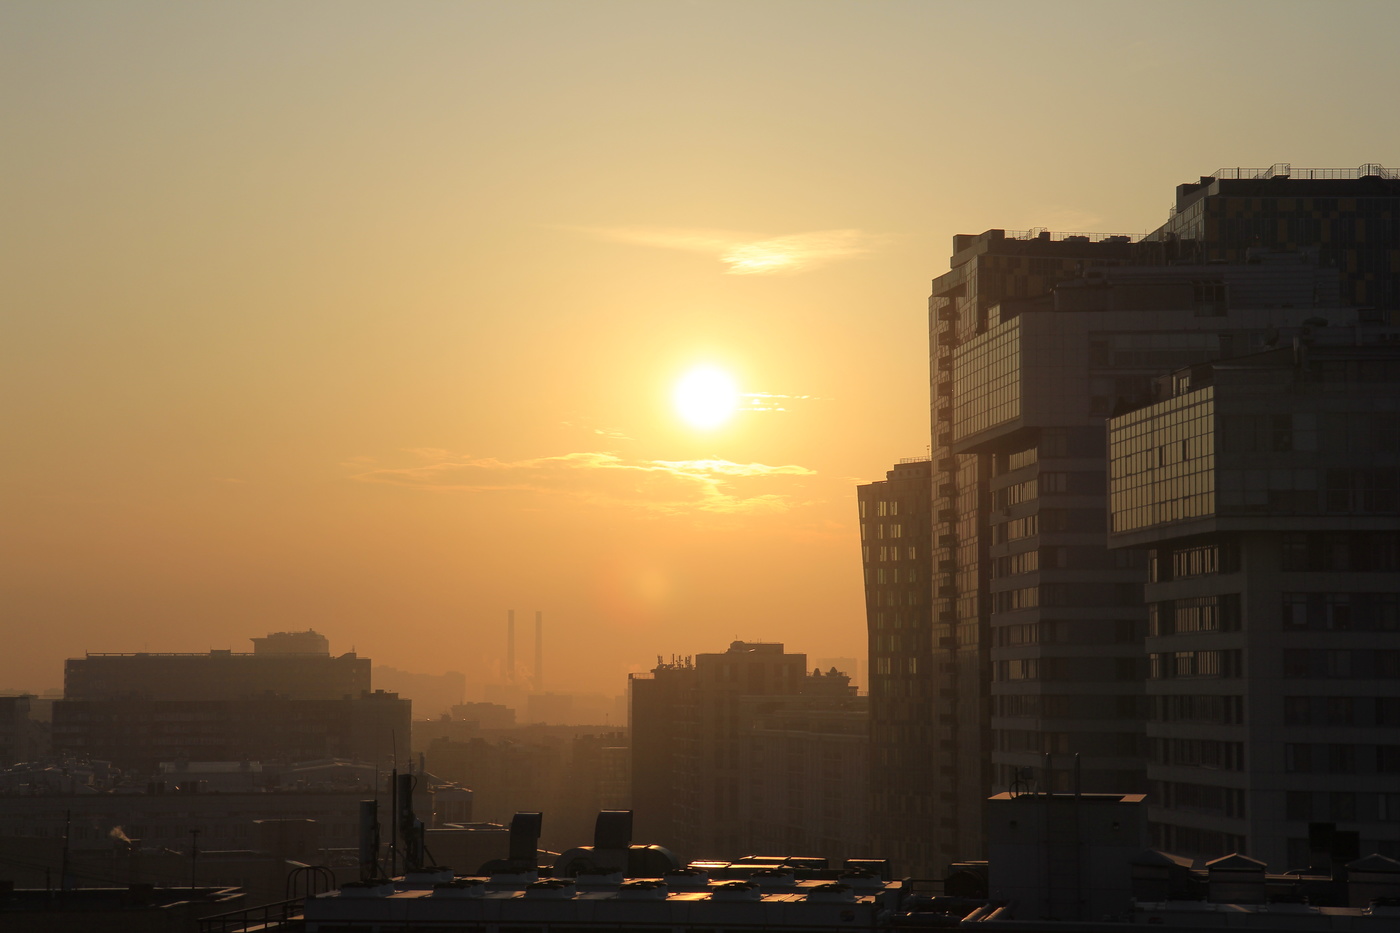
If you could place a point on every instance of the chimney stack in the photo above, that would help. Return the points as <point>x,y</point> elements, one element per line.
<point>539,651</point>
<point>510,646</point>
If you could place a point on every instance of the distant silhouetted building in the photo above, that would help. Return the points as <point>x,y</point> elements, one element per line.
<point>23,736</point>
<point>217,675</point>
<point>1266,489</point>
<point>137,710</point>
<point>713,738</point>
<point>307,642</point>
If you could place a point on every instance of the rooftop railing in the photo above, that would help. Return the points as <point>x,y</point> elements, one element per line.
<point>1286,170</point>
<point>1041,233</point>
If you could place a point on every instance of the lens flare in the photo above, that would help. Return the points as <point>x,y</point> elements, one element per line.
<point>706,397</point>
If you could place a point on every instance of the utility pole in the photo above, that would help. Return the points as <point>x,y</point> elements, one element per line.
<point>194,855</point>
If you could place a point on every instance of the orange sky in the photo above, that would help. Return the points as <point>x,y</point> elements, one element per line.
<point>365,317</point>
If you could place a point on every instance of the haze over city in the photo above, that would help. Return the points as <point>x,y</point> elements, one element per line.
<point>371,318</point>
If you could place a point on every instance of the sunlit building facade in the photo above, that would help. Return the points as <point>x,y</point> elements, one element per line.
<point>1265,491</point>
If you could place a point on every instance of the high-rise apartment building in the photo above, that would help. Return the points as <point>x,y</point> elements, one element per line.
<point>708,734</point>
<point>912,752</point>
<point>1035,339</point>
<point>1266,490</point>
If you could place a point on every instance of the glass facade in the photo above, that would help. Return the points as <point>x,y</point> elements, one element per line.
<point>1162,462</point>
<point>987,380</point>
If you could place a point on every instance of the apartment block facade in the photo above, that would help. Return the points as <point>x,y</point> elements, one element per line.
<point>714,736</point>
<point>1265,491</point>
<point>1037,626</point>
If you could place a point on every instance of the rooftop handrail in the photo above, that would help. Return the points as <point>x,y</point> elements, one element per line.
<point>1036,233</point>
<point>1286,170</point>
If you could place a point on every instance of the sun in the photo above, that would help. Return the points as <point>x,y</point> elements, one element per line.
<point>706,397</point>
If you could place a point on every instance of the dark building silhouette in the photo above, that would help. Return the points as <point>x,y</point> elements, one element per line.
<point>307,642</point>
<point>708,736</point>
<point>1035,339</point>
<point>137,710</point>
<point>912,753</point>
<point>23,736</point>
<point>1266,489</point>
<point>218,675</point>
<point>1350,216</point>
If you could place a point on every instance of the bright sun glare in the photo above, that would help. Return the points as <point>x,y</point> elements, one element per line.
<point>706,397</point>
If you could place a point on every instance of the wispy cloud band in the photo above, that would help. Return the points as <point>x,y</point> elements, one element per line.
<point>748,254</point>
<point>660,486</point>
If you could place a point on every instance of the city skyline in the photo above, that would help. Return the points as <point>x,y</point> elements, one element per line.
<point>346,318</point>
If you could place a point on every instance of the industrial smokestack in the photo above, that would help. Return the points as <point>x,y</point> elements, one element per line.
<point>539,651</point>
<point>510,646</point>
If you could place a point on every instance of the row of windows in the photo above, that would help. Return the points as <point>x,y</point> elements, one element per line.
<point>1219,613</point>
<point>1015,494</point>
<point>1068,594</point>
<point>1341,758</point>
<point>1206,798</point>
<point>898,598</point>
<point>892,575</point>
<point>898,619</point>
<point>1066,670</point>
<point>1067,706</point>
<point>1025,562</point>
<point>1011,600</point>
<point>1062,631</point>
<point>1196,753</point>
<point>889,552</point>
<point>1342,806</point>
<point>1350,664</point>
<point>1332,551</point>
<point>883,530</point>
<point>1341,612</point>
<point>881,507</point>
<point>887,666</point>
<point>1341,711</point>
<point>1195,560</point>
<point>1225,710</point>
<point>1125,744</point>
<point>1178,664</point>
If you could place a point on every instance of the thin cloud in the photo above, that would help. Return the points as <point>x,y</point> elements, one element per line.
<point>657,486</point>
<point>599,432</point>
<point>746,254</point>
<point>773,401</point>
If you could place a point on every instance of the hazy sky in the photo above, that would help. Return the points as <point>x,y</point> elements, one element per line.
<point>365,317</point>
